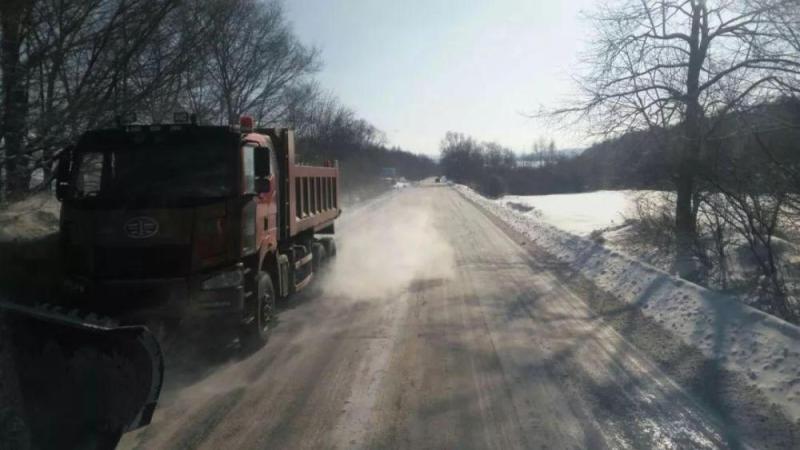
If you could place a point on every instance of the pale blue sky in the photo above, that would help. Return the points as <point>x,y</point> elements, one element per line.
<point>419,68</point>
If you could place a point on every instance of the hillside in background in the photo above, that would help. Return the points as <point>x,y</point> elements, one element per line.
<point>747,142</point>
<point>740,146</point>
<point>327,130</point>
<point>362,164</point>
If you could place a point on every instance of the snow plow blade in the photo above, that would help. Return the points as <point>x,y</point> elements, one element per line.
<point>83,380</point>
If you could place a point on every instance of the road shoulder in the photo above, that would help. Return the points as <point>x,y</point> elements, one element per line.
<point>724,394</point>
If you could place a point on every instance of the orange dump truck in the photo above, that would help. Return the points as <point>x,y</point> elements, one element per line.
<point>177,222</point>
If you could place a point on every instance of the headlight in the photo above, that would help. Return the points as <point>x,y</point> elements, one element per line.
<point>223,280</point>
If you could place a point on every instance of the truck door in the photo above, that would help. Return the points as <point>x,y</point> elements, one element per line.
<point>250,220</point>
<point>267,200</point>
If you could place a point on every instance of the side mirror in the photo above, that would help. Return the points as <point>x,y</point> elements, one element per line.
<point>261,163</point>
<point>63,171</point>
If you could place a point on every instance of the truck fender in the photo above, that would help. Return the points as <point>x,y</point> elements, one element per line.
<point>277,266</point>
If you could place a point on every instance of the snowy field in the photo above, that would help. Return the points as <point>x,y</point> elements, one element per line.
<point>578,213</point>
<point>741,338</point>
<point>605,214</point>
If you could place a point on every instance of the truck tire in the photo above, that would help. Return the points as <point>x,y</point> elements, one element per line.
<point>330,247</point>
<point>318,258</point>
<point>256,333</point>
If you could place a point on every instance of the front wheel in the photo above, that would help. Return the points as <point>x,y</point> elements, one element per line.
<point>255,332</point>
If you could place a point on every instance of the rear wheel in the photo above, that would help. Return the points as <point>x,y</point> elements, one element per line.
<point>318,251</point>
<point>255,332</point>
<point>330,247</point>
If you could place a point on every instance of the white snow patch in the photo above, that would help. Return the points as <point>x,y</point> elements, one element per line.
<point>31,218</point>
<point>741,338</point>
<point>579,213</point>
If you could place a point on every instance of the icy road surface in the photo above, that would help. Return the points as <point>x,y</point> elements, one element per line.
<point>434,329</point>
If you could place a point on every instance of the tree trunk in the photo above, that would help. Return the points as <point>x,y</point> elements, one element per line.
<point>685,217</point>
<point>15,96</point>
<point>685,208</point>
<point>684,223</point>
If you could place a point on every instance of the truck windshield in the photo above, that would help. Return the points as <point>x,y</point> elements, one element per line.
<point>153,172</point>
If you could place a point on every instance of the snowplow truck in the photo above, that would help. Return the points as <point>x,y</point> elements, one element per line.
<point>160,225</point>
<point>182,224</point>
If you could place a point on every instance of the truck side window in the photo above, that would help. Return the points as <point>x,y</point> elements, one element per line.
<point>89,173</point>
<point>249,168</point>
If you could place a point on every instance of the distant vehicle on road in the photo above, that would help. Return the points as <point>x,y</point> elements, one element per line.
<point>401,183</point>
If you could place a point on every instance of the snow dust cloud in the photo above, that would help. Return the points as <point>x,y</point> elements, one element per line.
<point>384,251</point>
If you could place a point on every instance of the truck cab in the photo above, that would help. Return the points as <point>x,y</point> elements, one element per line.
<point>181,222</point>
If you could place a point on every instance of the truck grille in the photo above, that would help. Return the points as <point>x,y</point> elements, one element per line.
<point>163,261</point>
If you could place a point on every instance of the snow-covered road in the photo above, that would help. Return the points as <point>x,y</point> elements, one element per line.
<point>438,328</point>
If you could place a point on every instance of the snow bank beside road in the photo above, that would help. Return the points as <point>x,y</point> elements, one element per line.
<point>29,261</point>
<point>31,218</point>
<point>739,337</point>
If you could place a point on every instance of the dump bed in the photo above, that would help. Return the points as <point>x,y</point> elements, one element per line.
<point>309,195</point>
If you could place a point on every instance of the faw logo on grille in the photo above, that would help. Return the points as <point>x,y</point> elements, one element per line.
<point>141,227</point>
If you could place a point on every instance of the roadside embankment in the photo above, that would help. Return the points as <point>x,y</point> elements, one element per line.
<point>763,348</point>
<point>29,260</point>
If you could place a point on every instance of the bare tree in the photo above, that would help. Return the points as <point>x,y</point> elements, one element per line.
<point>68,65</point>
<point>74,64</point>
<point>15,23</point>
<point>755,214</point>
<point>254,59</point>
<point>543,153</point>
<point>681,63</point>
<point>302,100</point>
<point>787,23</point>
<point>462,158</point>
<point>498,156</point>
